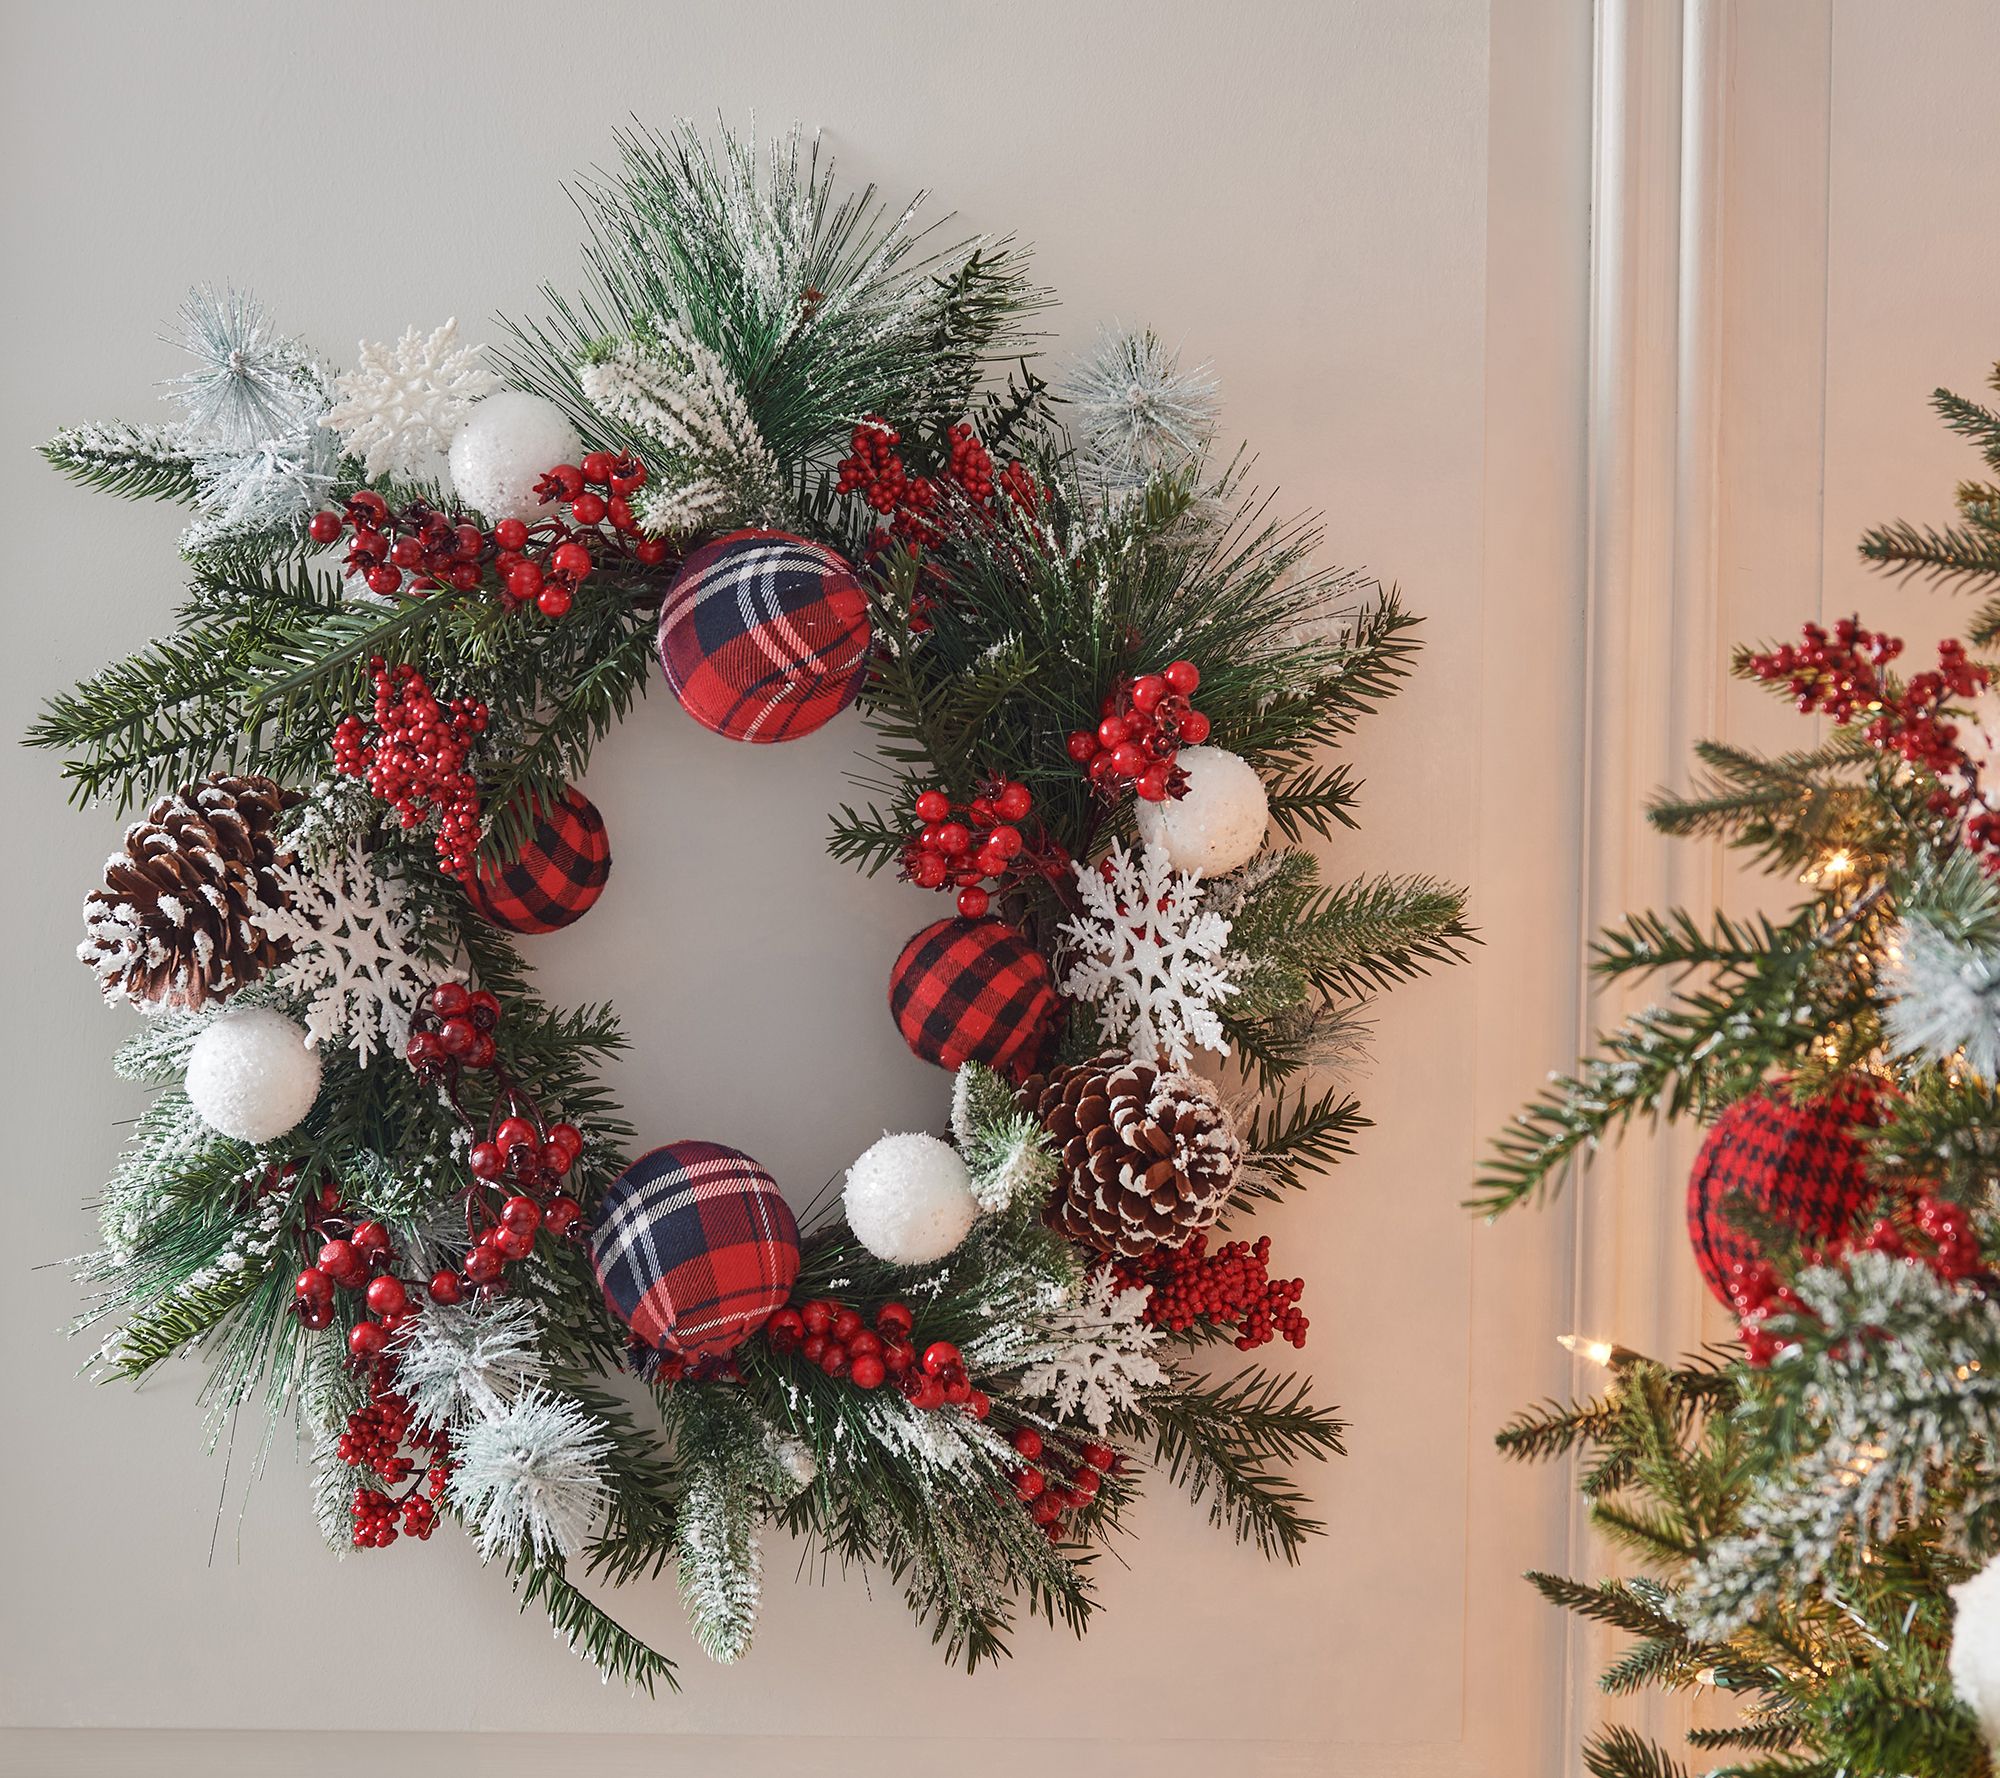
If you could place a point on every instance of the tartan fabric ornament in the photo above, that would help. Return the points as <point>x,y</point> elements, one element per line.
<point>1798,1165</point>
<point>694,1248</point>
<point>974,991</point>
<point>556,877</point>
<point>763,636</point>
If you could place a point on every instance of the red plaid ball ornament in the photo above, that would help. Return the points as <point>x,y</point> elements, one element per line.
<point>694,1248</point>
<point>763,636</point>
<point>1800,1165</point>
<point>973,991</point>
<point>555,878</point>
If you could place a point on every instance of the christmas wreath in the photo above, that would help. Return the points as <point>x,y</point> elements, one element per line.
<point>778,447</point>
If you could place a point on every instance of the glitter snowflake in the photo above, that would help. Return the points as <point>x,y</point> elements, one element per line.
<point>1149,957</point>
<point>1097,1354</point>
<point>399,406</point>
<point>355,951</point>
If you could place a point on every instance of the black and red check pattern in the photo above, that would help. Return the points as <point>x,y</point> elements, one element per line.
<point>1801,1165</point>
<point>556,877</point>
<point>764,637</point>
<point>695,1248</point>
<point>973,991</point>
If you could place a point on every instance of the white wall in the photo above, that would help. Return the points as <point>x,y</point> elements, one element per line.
<point>1371,216</point>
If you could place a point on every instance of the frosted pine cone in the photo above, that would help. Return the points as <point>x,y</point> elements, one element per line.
<point>173,924</point>
<point>1148,1158</point>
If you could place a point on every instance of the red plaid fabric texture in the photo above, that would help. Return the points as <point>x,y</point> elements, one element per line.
<point>973,991</point>
<point>1799,1164</point>
<point>764,637</point>
<point>695,1248</point>
<point>559,873</point>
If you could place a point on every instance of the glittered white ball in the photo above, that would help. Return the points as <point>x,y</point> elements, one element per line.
<point>1218,826</point>
<point>1975,1648</point>
<point>909,1199</point>
<point>507,444</point>
<point>250,1074</point>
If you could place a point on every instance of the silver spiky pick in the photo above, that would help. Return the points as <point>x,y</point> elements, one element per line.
<point>247,388</point>
<point>1947,998</point>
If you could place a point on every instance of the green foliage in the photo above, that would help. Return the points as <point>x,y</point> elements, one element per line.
<point>135,462</point>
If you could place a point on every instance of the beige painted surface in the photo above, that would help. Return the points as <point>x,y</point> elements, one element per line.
<point>1371,217</point>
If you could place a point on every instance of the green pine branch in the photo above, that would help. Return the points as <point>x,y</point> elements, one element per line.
<point>134,462</point>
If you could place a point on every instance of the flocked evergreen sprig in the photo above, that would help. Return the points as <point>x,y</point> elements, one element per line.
<point>753,348</point>
<point>1803,1510</point>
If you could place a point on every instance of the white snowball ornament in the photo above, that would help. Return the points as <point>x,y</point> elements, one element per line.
<point>1975,1648</point>
<point>507,444</point>
<point>1219,824</point>
<point>909,1199</point>
<point>250,1074</point>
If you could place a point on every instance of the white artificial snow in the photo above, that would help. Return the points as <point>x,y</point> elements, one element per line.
<point>909,1199</point>
<point>251,1075</point>
<point>399,406</point>
<point>507,443</point>
<point>355,953</point>
<point>1975,1648</point>
<point>1217,826</point>
<point>1097,1354</point>
<point>1148,956</point>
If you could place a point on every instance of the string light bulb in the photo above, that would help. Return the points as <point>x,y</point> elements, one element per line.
<point>1592,1351</point>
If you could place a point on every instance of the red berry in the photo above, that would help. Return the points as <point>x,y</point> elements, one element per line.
<point>785,1330</point>
<point>846,1324</point>
<point>524,582</point>
<point>511,1242</point>
<point>599,467</point>
<point>1152,784</point>
<point>372,1238</point>
<point>933,805</point>
<point>568,1138</point>
<point>1100,1457</point>
<point>564,482</point>
<point>1112,731</point>
<point>387,1296</point>
<point>1128,759</point>
<point>1082,747</point>
<point>978,1404</point>
<point>895,1318</point>
<point>481,1054</point>
<point>560,1217</point>
<point>556,1158</point>
<point>325,527</point>
<point>313,1286</point>
<point>1147,691</point>
<point>447,1287</point>
<point>924,1393</point>
<point>973,902</point>
<point>1029,1483</point>
<point>571,559</point>
<point>652,551</point>
<point>954,838</point>
<point>1194,728</point>
<point>1013,802</point>
<point>1083,1485</point>
<point>928,870</point>
<point>513,1131</point>
<point>449,999</point>
<point>941,1354</point>
<point>340,1262</point>
<point>813,1347</point>
<point>862,1343</point>
<point>553,600</point>
<point>834,1359</point>
<point>314,1314</point>
<point>385,580</point>
<point>867,1372</point>
<point>484,1161</point>
<point>511,534</point>
<point>483,1265</point>
<point>588,509</point>
<point>1182,676</point>
<point>817,1315</point>
<point>457,1036</point>
<point>957,1386</point>
<point>365,1339</point>
<point>1027,1441</point>
<point>523,1214</point>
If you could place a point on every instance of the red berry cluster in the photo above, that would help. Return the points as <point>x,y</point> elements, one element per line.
<point>966,845</point>
<point>837,1338</point>
<point>353,1256</point>
<point>414,759</point>
<point>1048,1497</point>
<point>1231,1287</point>
<point>452,1031</point>
<point>1925,1230</point>
<point>1841,675</point>
<point>912,502</point>
<point>420,550</point>
<point>1142,725</point>
<point>381,1436</point>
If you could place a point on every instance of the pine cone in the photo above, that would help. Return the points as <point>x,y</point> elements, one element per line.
<point>172,924</point>
<point>1148,1158</point>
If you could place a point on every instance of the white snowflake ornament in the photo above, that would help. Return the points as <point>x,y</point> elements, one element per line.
<point>1097,1354</point>
<point>355,953</point>
<point>399,406</point>
<point>1149,957</point>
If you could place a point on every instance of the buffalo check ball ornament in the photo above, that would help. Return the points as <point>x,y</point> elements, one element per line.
<point>787,448</point>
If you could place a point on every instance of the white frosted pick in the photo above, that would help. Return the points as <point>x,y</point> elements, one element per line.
<point>250,1074</point>
<point>1219,824</point>
<point>507,444</point>
<point>909,1199</point>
